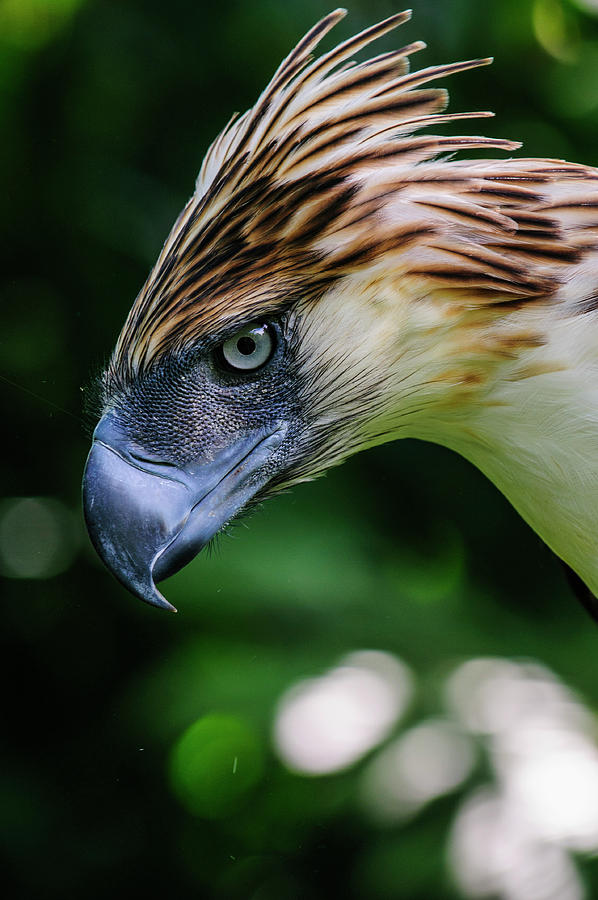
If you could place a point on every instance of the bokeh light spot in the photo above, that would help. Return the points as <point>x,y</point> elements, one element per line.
<point>29,23</point>
<point>556,789</point>
<point>554,30</point>
<point>428,761</point>
<point>38,538</point>
<point>590,6</point>
<point>325,724</point>
<point>492,854</point>
<point>513,841</point>
<point>214,765</point>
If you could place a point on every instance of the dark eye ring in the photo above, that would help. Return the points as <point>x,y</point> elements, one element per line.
<point>249,349</point>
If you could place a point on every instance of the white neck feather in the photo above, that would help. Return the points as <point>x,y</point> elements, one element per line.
<point>536,438</point>
<point>528,419</point>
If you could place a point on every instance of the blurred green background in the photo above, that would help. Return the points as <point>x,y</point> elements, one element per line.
<point>379,686</point>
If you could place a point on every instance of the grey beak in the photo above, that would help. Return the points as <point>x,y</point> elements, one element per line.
<point>147,519</point>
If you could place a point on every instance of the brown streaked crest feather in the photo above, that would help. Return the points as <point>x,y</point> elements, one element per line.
<point>327,174</point>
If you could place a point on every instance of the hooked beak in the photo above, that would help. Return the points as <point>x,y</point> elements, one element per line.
<point>147,518</point>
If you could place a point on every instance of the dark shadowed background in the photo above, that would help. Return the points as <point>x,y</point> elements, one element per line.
<point>379,686</point>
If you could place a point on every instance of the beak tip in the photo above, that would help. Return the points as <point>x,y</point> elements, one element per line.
<point>167,606</point>
<point>154,598</point>
<point>163,604</point>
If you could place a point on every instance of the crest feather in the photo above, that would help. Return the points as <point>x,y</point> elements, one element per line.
<point>328,173</point>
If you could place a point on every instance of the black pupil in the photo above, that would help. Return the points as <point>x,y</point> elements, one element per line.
<point>246,346</point>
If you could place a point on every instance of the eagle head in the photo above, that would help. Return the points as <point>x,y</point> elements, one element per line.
<point>336,280</point>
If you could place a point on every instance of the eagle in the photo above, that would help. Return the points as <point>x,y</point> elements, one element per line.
<point>339,279</point>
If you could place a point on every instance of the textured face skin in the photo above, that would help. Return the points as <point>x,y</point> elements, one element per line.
<point>190,405</point>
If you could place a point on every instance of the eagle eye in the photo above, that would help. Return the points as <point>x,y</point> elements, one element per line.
<point>249,349</point>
